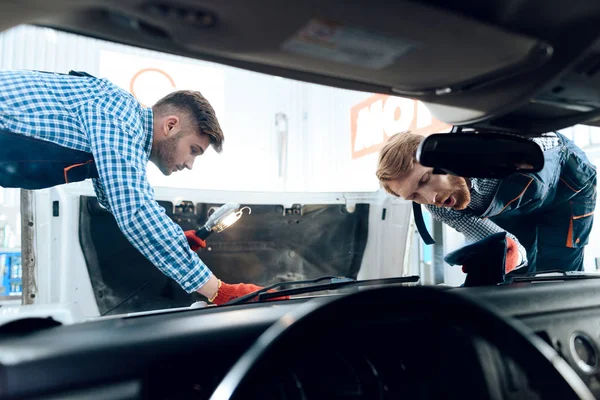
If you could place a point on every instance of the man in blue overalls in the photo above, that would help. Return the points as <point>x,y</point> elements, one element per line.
<point>57,129</point>
<point>547,216</point>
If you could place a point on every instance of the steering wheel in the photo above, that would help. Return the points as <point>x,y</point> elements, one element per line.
<point>548,373</point>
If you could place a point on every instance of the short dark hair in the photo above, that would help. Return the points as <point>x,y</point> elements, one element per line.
<point>199,110</point>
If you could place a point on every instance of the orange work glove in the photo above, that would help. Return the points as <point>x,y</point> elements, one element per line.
<point>227,292</point>
<point>512,255</point>
<point>194,241</point>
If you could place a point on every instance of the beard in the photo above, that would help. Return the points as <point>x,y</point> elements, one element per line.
<point>460,192</point>
<point>165,151</point>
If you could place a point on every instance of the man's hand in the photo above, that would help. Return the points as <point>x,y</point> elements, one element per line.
<point>228,292</point>
<point>194,241</point>
<point>487,261</point>
<point>512,255</point>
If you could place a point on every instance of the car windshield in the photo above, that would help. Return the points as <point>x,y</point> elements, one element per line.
<point>300,162</point>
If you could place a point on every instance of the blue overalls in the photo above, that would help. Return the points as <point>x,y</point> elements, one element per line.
<point>551,212</point>
<point>30,163</point>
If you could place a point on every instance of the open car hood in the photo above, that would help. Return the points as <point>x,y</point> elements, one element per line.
<point>273,244</point>
<point>521,65</point>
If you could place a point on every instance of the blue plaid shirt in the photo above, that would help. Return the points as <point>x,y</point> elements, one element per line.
<point>95,116</point>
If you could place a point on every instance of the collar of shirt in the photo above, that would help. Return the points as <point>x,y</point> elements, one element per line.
<point>148,125</point>
<point>482,193</point>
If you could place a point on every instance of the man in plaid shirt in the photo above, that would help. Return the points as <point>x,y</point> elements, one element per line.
<point>547,216</point>
<point>57,129</point>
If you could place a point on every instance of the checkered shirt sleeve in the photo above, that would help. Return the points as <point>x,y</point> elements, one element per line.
<point>124,188</point>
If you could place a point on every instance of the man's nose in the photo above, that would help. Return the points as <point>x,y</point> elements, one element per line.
<point>429,196</point>
<point>189,164</point>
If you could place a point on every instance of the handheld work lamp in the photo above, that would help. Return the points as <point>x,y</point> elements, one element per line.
<point>221,219</point>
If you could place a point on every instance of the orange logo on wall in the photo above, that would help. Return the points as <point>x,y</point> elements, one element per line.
<point>380,116</point>
<point>154,84</point>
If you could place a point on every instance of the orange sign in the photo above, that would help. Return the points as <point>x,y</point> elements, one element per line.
<point>158,80</point>
<point>380,116</point>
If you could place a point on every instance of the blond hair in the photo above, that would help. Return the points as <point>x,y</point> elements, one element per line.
<point>397,158</point>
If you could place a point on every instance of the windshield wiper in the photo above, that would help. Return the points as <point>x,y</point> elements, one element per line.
<point>332,282</point>
<point>553,275</point>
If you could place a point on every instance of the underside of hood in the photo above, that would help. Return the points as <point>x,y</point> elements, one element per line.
<point>522,65</point>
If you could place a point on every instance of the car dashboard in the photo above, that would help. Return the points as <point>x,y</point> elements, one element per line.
<point>185,354</point>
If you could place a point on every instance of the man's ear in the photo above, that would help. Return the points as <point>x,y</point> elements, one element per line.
<point>171,125</point>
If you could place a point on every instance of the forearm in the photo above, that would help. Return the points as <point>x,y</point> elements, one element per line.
<point>210,288</point>
<point>162,242</point>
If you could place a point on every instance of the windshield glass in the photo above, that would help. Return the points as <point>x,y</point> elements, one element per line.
<point>303,158</point>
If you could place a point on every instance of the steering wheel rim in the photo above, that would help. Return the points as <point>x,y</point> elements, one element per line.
<point>511,337</point>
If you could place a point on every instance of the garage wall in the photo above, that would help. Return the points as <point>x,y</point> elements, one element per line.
<point>281,135</point>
